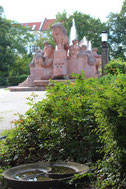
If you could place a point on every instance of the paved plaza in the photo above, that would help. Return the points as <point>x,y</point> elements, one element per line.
<point>14,102</point>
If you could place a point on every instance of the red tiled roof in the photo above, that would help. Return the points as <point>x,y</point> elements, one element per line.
<point>40,26</point>
<point>32,24</point>
<point>47,24</point>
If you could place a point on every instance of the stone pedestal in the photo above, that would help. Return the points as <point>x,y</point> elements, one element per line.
<point>60,64</point>
<point>39,74</point>
<point>82,63</point>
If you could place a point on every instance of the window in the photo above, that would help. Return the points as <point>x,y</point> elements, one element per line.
<point>33,27</point>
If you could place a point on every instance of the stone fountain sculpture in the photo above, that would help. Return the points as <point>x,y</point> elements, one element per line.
<point>65,60</point>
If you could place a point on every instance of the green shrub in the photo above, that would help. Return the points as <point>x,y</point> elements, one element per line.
<point>12,80</point>
<point>110,110</point>
<point>73,122</point>
<point>15,80</point>
<point>3,81</point>
<point>60,127</point>
<point>116,66</point>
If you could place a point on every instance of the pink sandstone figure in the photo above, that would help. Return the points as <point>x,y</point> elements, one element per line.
<point>97,57</point>
<point>74,49</point>
<point>56,64</point>
<point>84,49</point>
<point>59,34</point>
<point>37,60</point>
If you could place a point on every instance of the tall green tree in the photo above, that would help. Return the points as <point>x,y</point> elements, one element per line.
<point>86,26</point>
<point>13,41</point>
<point>117,33</point>
<point>6,58</point>
<point>1,10</point>
<point>19,36</point>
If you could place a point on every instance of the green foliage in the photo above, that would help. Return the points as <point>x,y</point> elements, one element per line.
<point>48,37</point>
<point>115,67</point>
<point>82,121</point>
<point>20,66</point>
<point>15,80</point>
<point>6,57</point>
<point>19,36</point>
<point>1,10</point>
<point>89,27</point>
<point>3,81</point>
<point>13,39</point>
<point>67,22</point>
<point>54,128</point>
<point>117,33</point>
<point>85,25</point>
<point>110,110</point>
<point>12,80</point>
<point>85,180</point>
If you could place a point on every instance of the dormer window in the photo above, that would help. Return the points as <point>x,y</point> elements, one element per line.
<point>33,27</point>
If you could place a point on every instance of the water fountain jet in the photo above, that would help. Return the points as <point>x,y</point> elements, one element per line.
<point>73,32</point>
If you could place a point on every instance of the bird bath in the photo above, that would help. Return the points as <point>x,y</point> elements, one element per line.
<point>44,175</point>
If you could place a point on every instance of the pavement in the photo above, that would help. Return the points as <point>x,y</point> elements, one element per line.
<point>15,102</point>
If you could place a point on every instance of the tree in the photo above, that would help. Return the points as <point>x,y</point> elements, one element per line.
<point>19,36</point>
<point>48,37</point>
<point>5,55</point>
<point>86,26</point>
<point>13,39</point>
<point>1,10</point>
<point>117,33</point>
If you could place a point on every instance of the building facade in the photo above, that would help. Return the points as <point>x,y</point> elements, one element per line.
<point>38,30</point>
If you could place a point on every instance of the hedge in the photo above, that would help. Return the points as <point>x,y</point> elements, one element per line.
<point>12,80</point>
<point>116,66</point>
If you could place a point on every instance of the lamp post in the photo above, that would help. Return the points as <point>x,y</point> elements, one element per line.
<point>104,52</point>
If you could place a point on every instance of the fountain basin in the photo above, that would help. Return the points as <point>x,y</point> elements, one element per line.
<point>44,175</point>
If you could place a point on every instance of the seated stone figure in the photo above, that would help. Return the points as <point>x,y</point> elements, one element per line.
<point>59,34</point>
<point>37,59</point>
<point>97,57</point>
<point>43,59</point>
<point>74,49</point>
<point>41,67</point>
<point>83,52</point>
<point>48,56</point>
<point>83,49</point>
<point>46,44</point>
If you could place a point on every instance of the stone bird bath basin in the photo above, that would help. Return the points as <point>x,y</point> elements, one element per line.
<point>42,175</point>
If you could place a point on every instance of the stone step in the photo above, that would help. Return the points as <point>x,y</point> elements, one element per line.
<point>19,89</point>
<point>39,85</point>
<point>45,83</point>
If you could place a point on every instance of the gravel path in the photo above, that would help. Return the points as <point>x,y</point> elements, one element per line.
<point>14,102</point>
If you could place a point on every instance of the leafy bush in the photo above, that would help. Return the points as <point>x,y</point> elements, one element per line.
<point>54,128</point>
<point>116,66</point>
<point>20,65</point>
<point>15,80</point>
<point>12,80</point>
<point>73,122</point>
<point>3,81</point>
<point>110,110</point>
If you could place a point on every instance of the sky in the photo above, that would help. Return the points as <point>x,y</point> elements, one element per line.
<point>24,11</point>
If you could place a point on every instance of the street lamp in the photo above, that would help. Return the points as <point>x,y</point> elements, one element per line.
<point>104,52</point>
